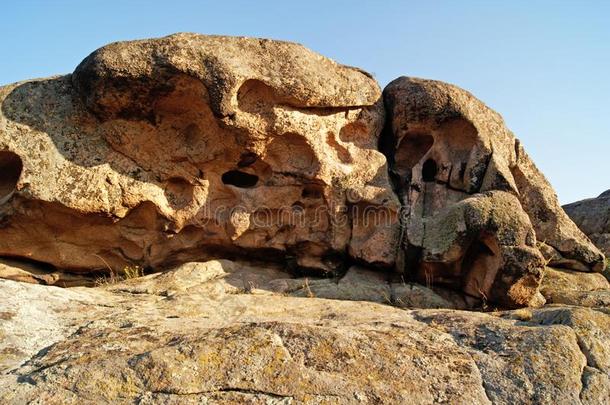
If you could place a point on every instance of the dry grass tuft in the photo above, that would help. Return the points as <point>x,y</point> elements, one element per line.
<point>128,273</point>
<point>522,314</point>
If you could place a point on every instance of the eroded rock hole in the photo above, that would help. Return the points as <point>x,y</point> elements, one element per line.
<point>411,150</point>
<point>240,179</point>
<point>10,171</point>
<point>247,159</point>
<point>429,170</point>
<point>179,192</point>
<point>255,95</point>
<point>313,191</point>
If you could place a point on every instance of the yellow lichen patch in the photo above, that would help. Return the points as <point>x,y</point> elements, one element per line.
<point>110,386</point>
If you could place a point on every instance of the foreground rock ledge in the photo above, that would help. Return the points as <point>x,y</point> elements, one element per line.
<point>190,147</point>
<point>219,332</point>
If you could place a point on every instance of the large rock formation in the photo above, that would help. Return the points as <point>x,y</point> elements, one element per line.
<point>156,155</point>
<point>159,151</point>
<point>593,217</point>
<point>191,147</point>
<point>447,151</point>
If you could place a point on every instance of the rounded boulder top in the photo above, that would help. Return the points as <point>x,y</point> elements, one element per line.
<point>296,75</point>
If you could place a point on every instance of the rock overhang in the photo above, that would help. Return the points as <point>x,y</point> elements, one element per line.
<point>167,150</point>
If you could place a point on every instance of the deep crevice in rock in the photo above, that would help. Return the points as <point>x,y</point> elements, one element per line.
<point>11,167</point>
<point>429,170</point>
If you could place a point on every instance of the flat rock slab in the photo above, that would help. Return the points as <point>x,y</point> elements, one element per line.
<point>196,334</point>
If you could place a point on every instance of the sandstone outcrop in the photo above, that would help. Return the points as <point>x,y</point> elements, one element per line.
<point>593,217</point>
<point>158,152</point>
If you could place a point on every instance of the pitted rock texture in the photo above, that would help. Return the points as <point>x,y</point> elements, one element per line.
<point>593,217</point>
<point>447,151</point>
<point>190,147</point>
<point>158,151</point>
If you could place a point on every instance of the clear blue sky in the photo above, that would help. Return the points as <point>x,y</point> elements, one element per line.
<point>544,65</point>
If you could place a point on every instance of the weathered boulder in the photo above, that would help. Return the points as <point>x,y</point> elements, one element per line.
<point>159,151</point>
<point>196,335</point>
<point>447,151</point>
<point>561,280</point>
<point>593,217</point>
<point>575,288</point>
<point>483,245</point>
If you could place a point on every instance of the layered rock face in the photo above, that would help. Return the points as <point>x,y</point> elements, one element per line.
<point>191,147</point>
<point>593,217</point>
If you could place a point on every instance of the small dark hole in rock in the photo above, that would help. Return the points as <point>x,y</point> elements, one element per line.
<point>429,170</point>
<point>247,159</point>
<point>312,191</point>
<point>239,179</point>
<point>10,171</point>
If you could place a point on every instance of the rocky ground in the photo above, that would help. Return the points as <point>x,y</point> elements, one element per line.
<point>227,332</point>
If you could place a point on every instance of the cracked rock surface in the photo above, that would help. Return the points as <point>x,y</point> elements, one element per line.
<point>219,332</point>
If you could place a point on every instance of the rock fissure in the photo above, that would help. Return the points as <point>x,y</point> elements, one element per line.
<point>221,389</point>
<point>483,384</point>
